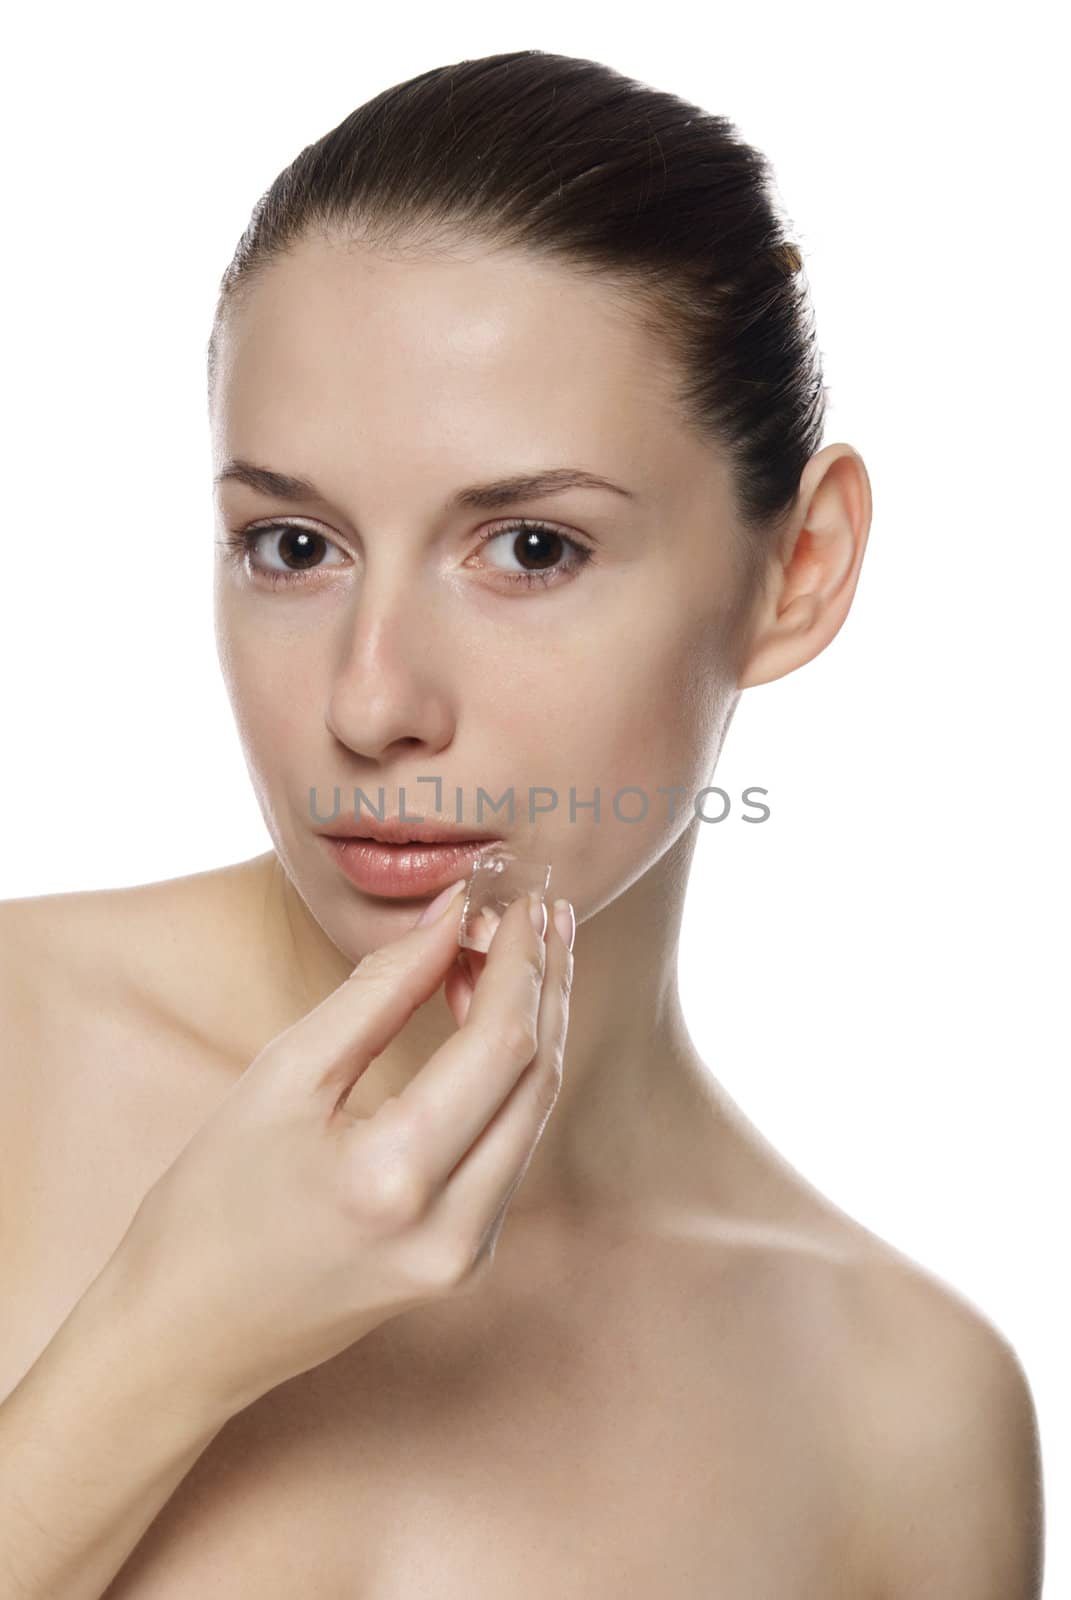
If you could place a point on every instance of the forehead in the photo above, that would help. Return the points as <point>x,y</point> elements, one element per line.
<point>440,354</point>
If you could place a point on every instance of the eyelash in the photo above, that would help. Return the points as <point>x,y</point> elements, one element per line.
<point>241,542</point>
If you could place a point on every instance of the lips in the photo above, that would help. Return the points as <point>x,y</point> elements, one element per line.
<point>405,830</point>
<point>404,870</point>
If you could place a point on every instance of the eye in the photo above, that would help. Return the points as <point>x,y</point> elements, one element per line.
<point>301,544</point>
<point>537,546</point>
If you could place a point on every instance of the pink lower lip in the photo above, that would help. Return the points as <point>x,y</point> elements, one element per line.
<point>398,870</point>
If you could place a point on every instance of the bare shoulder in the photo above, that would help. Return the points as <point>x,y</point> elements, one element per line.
<point>941,1427</point>
<point>102,992</point>
<point>53,954</point>
<point>55,972</point>
<point>114,949</point>
<point>97,976</point>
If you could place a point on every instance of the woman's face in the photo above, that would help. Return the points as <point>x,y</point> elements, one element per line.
<point>404,641</point>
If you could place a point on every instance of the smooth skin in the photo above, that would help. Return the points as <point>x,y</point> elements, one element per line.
<point>687,1372</point>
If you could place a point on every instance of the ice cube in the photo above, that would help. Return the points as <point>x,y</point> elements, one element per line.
<point>498,877</point>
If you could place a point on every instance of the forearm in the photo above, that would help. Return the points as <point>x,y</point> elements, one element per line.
<point>93,1442</point>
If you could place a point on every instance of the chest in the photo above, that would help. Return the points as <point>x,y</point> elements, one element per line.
<point>597,1421</point>
<point>386,1475</point>
<point>527,1455</point>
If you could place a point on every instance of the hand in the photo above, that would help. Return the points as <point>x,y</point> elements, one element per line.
<point>287,1227</point>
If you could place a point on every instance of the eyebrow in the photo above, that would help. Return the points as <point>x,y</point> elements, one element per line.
<point>478,496</point>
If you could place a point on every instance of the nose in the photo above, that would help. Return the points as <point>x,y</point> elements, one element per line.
<point>390,674</point>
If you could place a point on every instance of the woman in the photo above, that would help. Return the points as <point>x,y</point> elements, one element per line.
<point>453,1276</point>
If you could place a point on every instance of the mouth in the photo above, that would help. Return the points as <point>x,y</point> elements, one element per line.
<point>405,868</point>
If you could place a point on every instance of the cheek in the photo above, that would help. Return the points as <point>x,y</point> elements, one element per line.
<point>640,708</point>
<point>649,710</point>
<point>272,686</point>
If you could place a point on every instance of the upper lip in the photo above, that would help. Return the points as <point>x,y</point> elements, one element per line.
<point>394,830</point>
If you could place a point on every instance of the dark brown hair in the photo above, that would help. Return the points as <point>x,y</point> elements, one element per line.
<point>570,159</point>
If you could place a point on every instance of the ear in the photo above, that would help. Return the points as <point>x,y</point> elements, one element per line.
<point>813,575</point>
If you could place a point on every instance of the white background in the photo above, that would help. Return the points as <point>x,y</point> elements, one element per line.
<point>878,974</point>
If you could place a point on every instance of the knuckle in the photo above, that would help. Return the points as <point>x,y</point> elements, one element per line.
<point>374,968</point>
<point>397,1194</point>
<point>391,1185</point>
<point>515,1037</point>
<point>282,1055</point>
<point>450,1264</point>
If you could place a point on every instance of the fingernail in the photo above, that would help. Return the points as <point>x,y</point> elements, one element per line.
<point>565,921</point>
<point>538,912</point>
<point>432,912</point>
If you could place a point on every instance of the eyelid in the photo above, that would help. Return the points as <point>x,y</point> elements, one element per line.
<point>271,524</point>
<point>519,521</point>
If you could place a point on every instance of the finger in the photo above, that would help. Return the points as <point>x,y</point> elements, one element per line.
<point>463,976</point>
<point>476,1196</point>
<point>461,1086</point>
<point>327,1049</point>
<point>457,990</point>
